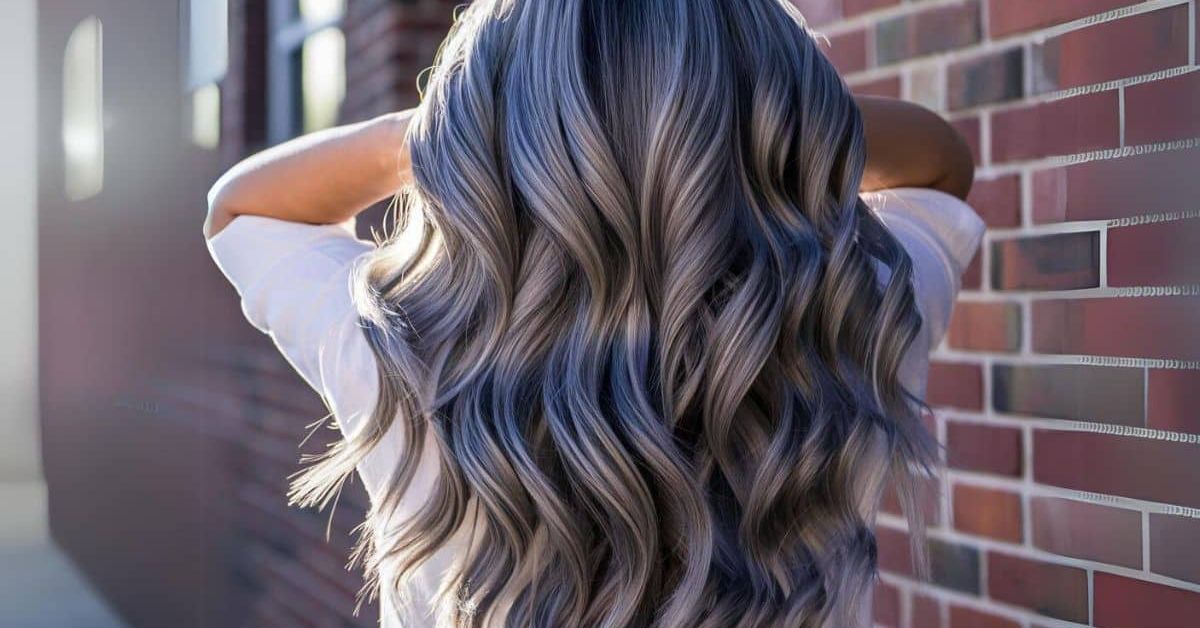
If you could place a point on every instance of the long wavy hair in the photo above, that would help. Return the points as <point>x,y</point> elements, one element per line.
<point>648,329</point>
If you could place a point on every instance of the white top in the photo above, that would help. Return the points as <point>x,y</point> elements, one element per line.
<point>294,283</point>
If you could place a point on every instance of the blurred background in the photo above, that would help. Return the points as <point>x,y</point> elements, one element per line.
<point>149,430</point>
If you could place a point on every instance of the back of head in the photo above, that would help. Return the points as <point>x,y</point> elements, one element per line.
<point>643,328</point>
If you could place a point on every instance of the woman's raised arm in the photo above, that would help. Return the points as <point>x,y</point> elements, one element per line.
<point>911,146</point>
<point>319,178</point>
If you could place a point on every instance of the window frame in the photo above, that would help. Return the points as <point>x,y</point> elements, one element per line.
<point>288,32</point>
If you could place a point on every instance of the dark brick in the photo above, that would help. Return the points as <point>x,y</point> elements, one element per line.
<point>955,566</point>
<point>1059,261</point>
<point>1149,42</point>
<point>992,78</point>
<point>1050,589</point>
<point>1103,394</point>
<point>1141,468</point>
<point>926,32</point>
<point>1088,531</point>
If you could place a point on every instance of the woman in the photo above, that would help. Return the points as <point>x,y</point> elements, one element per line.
<point>654,333</point>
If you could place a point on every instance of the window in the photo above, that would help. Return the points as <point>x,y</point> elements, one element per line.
<point>308,66</point>
<point>206,31</point>
<point>83,111</point>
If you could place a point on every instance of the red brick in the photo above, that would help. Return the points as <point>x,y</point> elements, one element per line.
<point>983,448</point>
<point>1148,42</point>
<point>895,551</point>
<point>819,12</point>
<point>966,617</point>
<point>955,384</point>
<point>986,79</point>
<point>888,87</point>
<point>1118,188</point>
<point>1142,468</point>
<point>1008,17</point>
<point>987,512</point>
<point>998,200</point>
<point>968,128</point>
<point>1173,400</point>
<point>887,605</point>
<point>1174,551</point>
<point>1061,127</point>
<point>855,7</point>
<point>925,612</point>
<point>1049,589</point>
<point>1137,327</point>
<point>1155,254</point>
<point>1104,394</point>
<point>1058,261</point>
<point>972,278</point>
<point>985,326</point>
<point>1124,602</point>
<point>848,51</point>
<point>927,32</point>
<point>1163,110</point>
<point>1088,531</point>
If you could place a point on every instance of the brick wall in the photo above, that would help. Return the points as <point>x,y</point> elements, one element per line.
<point>1067,386</point>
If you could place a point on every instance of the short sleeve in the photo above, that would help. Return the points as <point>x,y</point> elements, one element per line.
<point>293,280</point>
<point>941,234</point>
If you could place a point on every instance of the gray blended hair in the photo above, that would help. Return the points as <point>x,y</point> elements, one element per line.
<point>642,329</point>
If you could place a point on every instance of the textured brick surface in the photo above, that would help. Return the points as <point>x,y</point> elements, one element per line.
<point>928,31</point>
<point>1161,111</point>
<point>1017,16</point>
<point>985,326</point>
<point>1167,471</point>
<point>1060,127</point>
<point>1101,326</point>
<point>1050,589</point>
<point>990,78</point>
<point>1103,394</point>
<point>1117,188</point>
<point>1173,401</point>
<point>1174,550</point>
<point>1085,530</point>
<point>983,448</point>
<point>967,617</point>
<point>991,513</point>
<point>1149,42</point>
<point>1155,254</point>
<point>1122,601</point>
<point>954,384</point>
<point>1060,261</point>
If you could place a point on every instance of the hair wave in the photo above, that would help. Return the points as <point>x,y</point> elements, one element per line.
<point>642,328</point>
